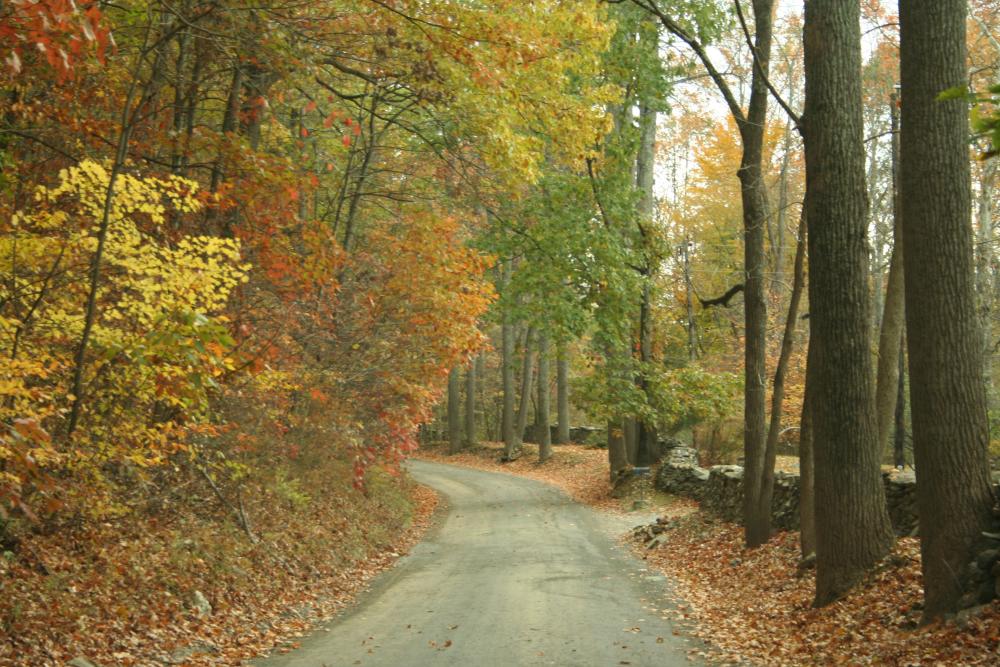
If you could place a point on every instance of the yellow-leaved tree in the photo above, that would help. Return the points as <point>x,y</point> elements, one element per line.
<point>157,344</point>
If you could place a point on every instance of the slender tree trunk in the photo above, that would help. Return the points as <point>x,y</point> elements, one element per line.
<point>807,483</point>
<point>470,405</point>
<point>562,395</point>
<point>527,378</point>
<point>692,332</point>
<point>507,371</point>
<point>985,257</point>
<point>544,433</point>
<point>454,411</point>
<point>753,190</point>
<point>899,437</point>
<point>947,392</point>
<point>852,525</point>
<point>646,449</point>
<point>787,343</point>
<point>891,335</point>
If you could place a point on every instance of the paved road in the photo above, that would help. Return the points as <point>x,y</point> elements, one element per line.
<point>516,574</point>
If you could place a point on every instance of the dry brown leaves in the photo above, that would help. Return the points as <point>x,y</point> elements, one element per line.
<point>580,471</point>
<point>119,595</point>
<point>755,606</point>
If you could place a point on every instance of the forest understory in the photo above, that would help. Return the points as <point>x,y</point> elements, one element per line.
<point>753,606</point>
<point>191,587</point>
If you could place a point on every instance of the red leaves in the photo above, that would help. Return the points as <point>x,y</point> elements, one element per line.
<point>57,29</point>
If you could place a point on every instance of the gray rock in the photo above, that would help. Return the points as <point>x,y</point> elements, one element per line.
<point>200,604</point>
<point>181,655</point>
<point>963,617</point>
<point>986,592</point>
<point>80,661</point>
<point>987,558</point>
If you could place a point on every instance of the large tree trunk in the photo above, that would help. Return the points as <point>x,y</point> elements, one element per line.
<point>891,336</point>
<point>852,525</point>
<point>562,395</point>
<point>753,189</point>
<point>947,394</point>
<point>542,430</point>
<point>454,411</point>
<point>470,405</point>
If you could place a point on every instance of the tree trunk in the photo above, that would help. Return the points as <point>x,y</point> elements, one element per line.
<point>787,342</point>
<point>852,525</point>
<point>562,395</point>
<point>542,430</point>
<point>753,190</point>
<point>617,456</point>
<point>507,372</point>
<point>985,258</point>
<point>947,393</point>
<point>899,437</point>
<point>646,449</point>
<point>807,486</point>
<point>470,405</point>
<point>630,433</point>
<point>891,335</point>
<point>454,411</point>
<point>527,377</point>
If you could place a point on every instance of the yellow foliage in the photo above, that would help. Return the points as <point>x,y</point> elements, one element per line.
<point>158,340</point>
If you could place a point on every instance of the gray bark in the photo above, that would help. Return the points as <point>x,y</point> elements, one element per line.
<point>947,392</point>
<point>853,532</point>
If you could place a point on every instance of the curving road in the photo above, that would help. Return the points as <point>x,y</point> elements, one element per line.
<point>515,574</point>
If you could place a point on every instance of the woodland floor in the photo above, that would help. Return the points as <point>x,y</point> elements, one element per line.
<point>753,607</point>
<point>121,593</point>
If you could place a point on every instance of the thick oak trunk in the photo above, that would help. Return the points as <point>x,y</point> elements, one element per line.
<point>852,525</point>
<point>947,392</point>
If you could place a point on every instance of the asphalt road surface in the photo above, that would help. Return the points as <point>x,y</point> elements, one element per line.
<point>515,573</point>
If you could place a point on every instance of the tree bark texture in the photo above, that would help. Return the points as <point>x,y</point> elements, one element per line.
<point>753,191</point>
<point>947,392</point>
<point>852,524</point>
